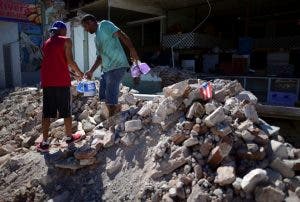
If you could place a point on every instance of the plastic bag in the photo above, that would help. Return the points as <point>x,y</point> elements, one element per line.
<point>139,68</point>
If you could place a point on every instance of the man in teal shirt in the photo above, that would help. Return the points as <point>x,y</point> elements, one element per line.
<point>111,56</point>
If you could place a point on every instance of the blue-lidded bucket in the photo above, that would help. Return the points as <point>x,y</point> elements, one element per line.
<point>88,88</point>
<point>79,87</point>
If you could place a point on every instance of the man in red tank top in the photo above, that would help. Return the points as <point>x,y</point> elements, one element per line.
<point>56,82</point>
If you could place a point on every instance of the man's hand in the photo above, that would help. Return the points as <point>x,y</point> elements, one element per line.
<point>78,78</point>
<point>70,60</point>
<point>80,75</point>
<point>89,74</point>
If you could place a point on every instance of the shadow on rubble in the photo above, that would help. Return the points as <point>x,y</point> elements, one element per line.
<point>121,157</point>
<point>289,129</point>
<point>4,93</point>
<point>77,184</point>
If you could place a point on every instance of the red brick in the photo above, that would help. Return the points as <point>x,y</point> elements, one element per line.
<point>203,129</point>
<point>205,149</point>
<point>219,153</point>
<point>179,138</point>
<point>261,138</point>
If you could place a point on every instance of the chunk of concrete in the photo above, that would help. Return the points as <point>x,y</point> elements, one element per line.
<point>133,125</point>
<point>216,117</point>
<point>269,193</point>
<point>248,96</point>
<point>279,149</point>
<point>253,178</point>
<point>250,113</point>
<point>196,110</point>
<point>209,108</point>
<point>225,175</point>
<point>282,167</point>
<point>176,90</point>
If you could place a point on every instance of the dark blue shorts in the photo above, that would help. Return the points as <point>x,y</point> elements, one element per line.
<point>109,85</point>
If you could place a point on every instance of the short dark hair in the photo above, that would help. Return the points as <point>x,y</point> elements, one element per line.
<point>87,18</point>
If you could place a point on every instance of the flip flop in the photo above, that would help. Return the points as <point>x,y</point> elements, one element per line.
<point>74,138</point>
<point>43,147</point>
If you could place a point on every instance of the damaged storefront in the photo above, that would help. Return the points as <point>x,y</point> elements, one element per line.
<point>23,27</point>
<point>21,38</point>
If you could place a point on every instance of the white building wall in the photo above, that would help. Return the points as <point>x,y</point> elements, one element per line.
<point>84,55</point>
<point>92,53</point>
<point>9,34</point>
<point>78,46</point>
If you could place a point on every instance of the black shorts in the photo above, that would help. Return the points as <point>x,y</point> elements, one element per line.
<point>56,99</point>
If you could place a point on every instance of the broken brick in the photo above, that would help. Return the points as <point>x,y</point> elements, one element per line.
<point>219,153</point>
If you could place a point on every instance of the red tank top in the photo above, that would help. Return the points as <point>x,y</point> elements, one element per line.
<point>54,70</point>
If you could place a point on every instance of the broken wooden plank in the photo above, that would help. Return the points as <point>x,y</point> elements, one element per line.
<point>291,113</point>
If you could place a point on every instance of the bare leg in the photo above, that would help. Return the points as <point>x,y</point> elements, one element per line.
<point>68,126</point>
<point>45,126</point>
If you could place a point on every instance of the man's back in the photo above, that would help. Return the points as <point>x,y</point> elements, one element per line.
<point>109,47</point>
<point>54,71</point>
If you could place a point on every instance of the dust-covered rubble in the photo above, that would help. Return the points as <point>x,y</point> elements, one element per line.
<point>176,147</point>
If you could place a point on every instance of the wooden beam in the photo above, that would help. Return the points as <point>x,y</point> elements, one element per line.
<point>148,20</point>
<point>137,6</point>
<point>291,113</point>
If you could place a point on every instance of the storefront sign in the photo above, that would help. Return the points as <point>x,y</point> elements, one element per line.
<point>18,10</point>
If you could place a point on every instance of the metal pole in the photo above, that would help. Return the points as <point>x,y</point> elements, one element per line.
<point>173,60</point>
<point>108,9</point>
<point>161,31</point>
<point>143,36</point>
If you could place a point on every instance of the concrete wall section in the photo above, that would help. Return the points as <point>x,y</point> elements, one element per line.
<point>16,64</point>
<point>9,35</point>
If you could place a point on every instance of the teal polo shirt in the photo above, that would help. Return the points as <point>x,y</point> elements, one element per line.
<point>109,47</point>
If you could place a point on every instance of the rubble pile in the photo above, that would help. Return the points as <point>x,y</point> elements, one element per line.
<point>193,150</point>
<point>21,116</point>
<point>219,150</point>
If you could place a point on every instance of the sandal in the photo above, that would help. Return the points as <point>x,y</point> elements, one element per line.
<point>74,138</point>
<point>43,146</point>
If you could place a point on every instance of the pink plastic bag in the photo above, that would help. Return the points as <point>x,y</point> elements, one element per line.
<point>135,71</point>
<point>139,68</point>
<point>144,68</point>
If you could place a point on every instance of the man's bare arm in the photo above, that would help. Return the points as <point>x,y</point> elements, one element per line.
<point>70,60</point>
<point>97,62</point>
<point>128,43</point>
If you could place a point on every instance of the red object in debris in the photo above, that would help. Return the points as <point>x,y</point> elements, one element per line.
<point>206,91</point>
